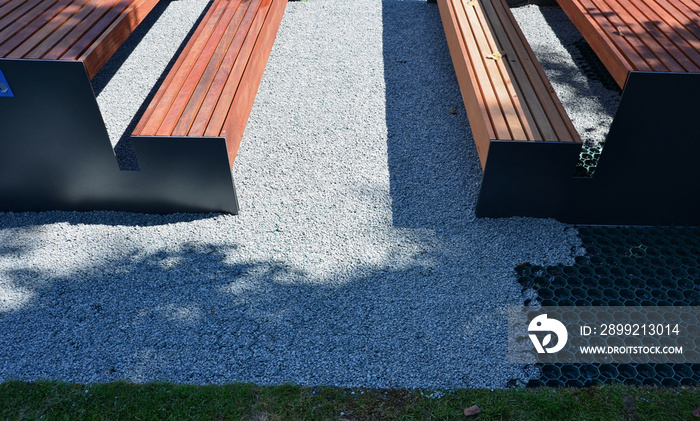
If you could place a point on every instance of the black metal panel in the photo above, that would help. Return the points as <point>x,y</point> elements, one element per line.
<point>647,174</point>
<point>55,153</point>
<point>527,179</point>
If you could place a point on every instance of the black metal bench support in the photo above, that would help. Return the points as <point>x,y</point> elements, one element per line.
<point>648,173</point>
<point>55,153</point>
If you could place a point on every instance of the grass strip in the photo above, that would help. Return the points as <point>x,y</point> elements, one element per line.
<point>51,400</point>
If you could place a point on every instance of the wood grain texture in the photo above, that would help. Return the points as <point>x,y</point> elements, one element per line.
<point>77,30</point>
<point>24,22</point>
<point>630,35</point>
<point>99,52</point>
<point>210,90</point>
<point>230,88</point>
<point>242,104</point>
<point>481,128</point>
<point>507,98</point>
<point>49,36</point>
<point>493,80</point>
<point>548,113</point>
<point>221,74</point>
<point>83,44</point>
<point>89,18</point>
<point>150,122</point>
<point>226,38</point>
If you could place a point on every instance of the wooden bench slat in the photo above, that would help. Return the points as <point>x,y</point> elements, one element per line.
<point>93,35</point>
<point>648,35</point>
<point>196,96</point>
<point>521,67</point>
<point>209,91</point>
<point>242,103</point>
<point>480,71</point>
<point>691,7</point>
<point>629,35</point>
<point>159,107</point>
<point>534,114</point>
<point>600,18</point>
<point>89,17</point>
<point>670,34</point>
<point>83,30</point>
<point>481,130</point>
<point>688,18</point>
<point>217,122</point>
<point>179,105</point>
<point>82,12</point>
<point>5,7</point>
<point>613,58</point>
<point>25,21</point>
<point>99,51</point>
<point>549,114</point>
<point>643,58</point>
<point>224,56</point>
<point>510,103</point>
<point>683,40</point>
<point>51,23</point>
<point>507,98</point>
<point>200,113</point>
<point>8,12</point>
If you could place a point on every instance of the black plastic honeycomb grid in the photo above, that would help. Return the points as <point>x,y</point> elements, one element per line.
<point>623,267</point>
<point>588,160</point>
<point>594,69</point>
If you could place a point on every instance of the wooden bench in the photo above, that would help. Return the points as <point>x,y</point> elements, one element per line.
<point>56,153</point>
<point>640,36</point>
<point>209,92</point>
<point>526,142</point>
<point>506,93</point>
<point>89,31</point>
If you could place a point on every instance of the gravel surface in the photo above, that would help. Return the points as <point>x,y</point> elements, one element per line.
<point>560,49</point>
<point>356,260</point>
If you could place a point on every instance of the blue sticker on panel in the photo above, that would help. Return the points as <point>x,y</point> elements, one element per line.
<point>5,90</point>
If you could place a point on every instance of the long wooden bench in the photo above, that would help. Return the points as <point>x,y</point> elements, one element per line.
<point>640,36</point>
<point>210,90</point>
<point>55,152</point>
<point>506,93</point>
<point>89,31</point>
<point>647,169</point>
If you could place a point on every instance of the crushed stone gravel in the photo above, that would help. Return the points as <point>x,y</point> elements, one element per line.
<point>356,260</point>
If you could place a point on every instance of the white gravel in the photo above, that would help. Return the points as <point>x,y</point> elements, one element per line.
<point>553,38</point>
<point>356,260</point>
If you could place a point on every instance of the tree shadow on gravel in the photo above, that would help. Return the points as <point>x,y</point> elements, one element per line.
<point>585,62</point>
<point>419,307</point>
<point>433,165</point>
<point>193,316</point>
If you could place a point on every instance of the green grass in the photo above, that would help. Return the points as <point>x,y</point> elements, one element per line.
<point>164,401</point>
